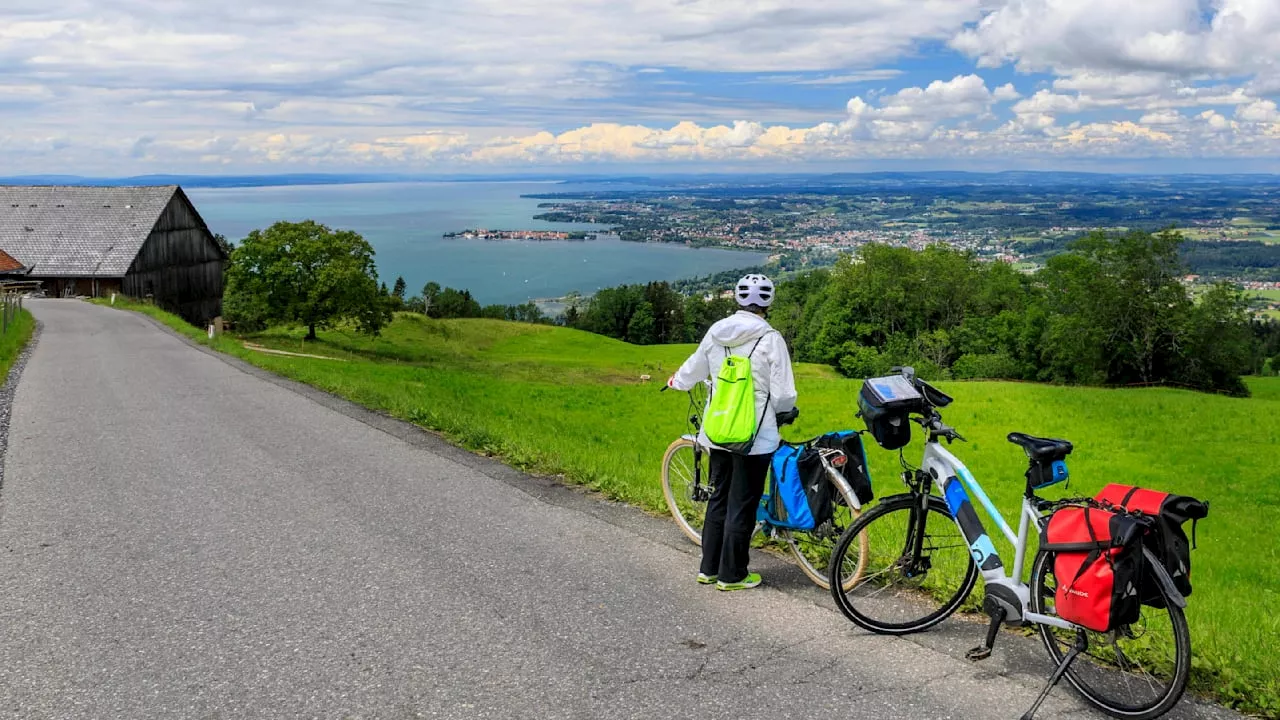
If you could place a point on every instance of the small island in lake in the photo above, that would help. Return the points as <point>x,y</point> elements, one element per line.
<point>482,234</point>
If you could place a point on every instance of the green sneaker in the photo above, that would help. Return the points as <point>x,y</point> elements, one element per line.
<point>750,581</point>
<point>705,579</point>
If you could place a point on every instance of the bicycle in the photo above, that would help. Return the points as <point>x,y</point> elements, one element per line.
<point>910,582</point>
<point>686,485</point>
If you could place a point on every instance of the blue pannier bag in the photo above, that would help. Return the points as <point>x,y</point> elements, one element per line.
<point>801,497</point>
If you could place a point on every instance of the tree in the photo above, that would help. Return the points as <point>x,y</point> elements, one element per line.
<point>1218,341</point>
<point>397,292</point>
<point>528,313</point>
<point>453,303</point>
<point>611,309</point>
<point>304,272</point>
<point>430,293</point>
<point>641,328</point>
<point>224,243</point>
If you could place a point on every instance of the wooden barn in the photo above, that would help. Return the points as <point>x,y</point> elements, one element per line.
<point>93,241</point>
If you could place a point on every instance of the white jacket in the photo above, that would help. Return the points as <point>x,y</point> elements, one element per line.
<point>770,371</point>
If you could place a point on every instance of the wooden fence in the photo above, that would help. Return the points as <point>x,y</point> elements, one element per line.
<point>10,304</point>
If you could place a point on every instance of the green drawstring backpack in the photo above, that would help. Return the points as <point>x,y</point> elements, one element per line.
<point>731,414</point>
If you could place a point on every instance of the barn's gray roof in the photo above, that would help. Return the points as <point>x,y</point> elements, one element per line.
<point>79,231</point>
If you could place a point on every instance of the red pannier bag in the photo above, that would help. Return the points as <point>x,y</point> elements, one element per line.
<point>1097,565</point>
<point>1168,542</point>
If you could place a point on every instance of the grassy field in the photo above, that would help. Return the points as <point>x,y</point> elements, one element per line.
<point>1273,295</point>
<point>12,341</point>
<point>565,402</point>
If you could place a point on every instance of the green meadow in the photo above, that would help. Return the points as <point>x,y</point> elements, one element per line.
<point>565,402</point>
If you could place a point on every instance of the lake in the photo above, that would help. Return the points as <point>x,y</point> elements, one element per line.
<point>405,221</point>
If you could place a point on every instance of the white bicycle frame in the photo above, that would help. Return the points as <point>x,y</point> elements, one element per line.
<point>957,484</point>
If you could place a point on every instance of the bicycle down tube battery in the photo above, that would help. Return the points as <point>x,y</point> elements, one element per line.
<point>980,545</point>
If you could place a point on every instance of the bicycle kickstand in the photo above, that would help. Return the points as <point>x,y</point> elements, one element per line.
<point>998,614</point>
<point>1053,680</point>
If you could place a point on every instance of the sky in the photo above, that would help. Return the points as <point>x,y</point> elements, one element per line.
<point>264,86</point>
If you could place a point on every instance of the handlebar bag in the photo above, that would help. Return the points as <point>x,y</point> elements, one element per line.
<point>1169,541</point>
<point>885,403</point>
<point>1097,563</point>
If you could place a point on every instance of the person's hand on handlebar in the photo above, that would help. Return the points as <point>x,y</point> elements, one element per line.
<point>788,417</point>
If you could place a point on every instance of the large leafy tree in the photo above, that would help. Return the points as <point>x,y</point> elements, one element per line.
<point>307,273</point>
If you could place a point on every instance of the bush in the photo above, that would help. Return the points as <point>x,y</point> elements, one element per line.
<point>986,366</point>
<point>860,361</point>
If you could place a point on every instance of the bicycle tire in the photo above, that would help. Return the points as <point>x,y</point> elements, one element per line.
<point>1082,676</point>
<point>675,485</point>
<point>803,543</point>
<point>915,595</point>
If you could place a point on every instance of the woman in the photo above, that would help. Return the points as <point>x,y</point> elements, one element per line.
<point>738,478</point>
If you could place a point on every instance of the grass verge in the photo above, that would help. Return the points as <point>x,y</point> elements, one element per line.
<point>14,339</point>
<point>564,402</point>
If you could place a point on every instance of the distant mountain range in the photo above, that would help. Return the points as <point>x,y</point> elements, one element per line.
<point>902,179</point>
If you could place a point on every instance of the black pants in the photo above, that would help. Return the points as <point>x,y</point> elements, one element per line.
<point>731,513</point>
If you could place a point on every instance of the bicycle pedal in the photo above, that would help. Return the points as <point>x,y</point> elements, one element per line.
<point>979,653</point>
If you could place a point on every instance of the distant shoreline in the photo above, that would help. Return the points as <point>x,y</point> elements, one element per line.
<point>522,235</point>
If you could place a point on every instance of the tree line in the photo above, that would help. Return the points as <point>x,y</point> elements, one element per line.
<point>1111,310</point>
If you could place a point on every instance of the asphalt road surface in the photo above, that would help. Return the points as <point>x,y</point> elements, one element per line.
<point>182,536</point>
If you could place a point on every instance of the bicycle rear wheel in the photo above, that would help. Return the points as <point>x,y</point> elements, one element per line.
<point>813,548</point>
<point>685,472</point>
<point>1137,671</point>
<point>908,571</point>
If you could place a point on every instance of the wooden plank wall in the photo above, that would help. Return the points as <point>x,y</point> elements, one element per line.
<point>180,265</point>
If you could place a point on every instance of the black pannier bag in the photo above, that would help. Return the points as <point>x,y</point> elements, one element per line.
<point>884,404</point>
<point>1168,541</point>
<point>854,470</point>
<point>1097,565</point>
<point>817,486</point>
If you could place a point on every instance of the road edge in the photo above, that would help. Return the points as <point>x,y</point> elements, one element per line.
<point>7,392</point>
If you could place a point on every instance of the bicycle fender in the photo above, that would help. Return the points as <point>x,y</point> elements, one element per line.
<point>1162,577</point>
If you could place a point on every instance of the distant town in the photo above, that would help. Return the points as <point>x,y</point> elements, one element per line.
<point>1231,224</point>
<point>482,234</point>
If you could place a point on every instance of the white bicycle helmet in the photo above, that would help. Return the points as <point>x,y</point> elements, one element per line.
<point>754,290</point>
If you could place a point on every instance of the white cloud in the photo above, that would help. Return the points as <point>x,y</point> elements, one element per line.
<point>1162,117</point>
<point>118,83</point>
<point>851,78</point>
<point>1005,93</point>
<point>1262,111</point>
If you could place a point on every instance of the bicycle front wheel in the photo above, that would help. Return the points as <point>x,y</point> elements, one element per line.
<point>813,548</point>
<point>1136,671</point>
<point>686,469</point>
<point>901,569</point>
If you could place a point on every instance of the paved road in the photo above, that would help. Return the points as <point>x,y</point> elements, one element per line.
<point>184,537</point>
